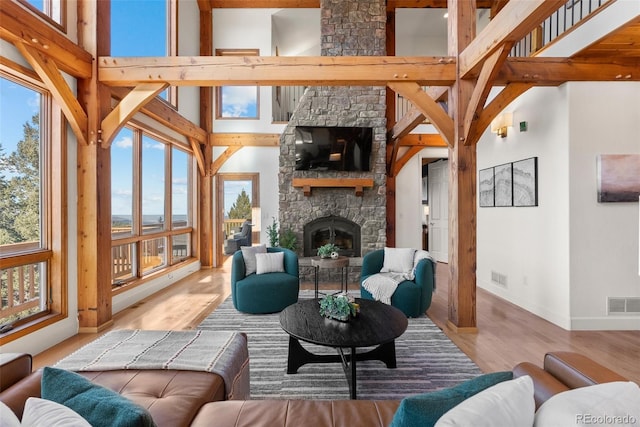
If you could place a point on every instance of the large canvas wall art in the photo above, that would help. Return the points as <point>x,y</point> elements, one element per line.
<point>503,185</point>
<point>618,177</point>
<point>525,185</point>
<point>485,186</point>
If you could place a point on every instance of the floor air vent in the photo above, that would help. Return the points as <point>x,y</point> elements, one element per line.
<point>618,305</point>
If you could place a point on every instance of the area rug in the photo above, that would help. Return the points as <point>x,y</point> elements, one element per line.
<point>427,360</point>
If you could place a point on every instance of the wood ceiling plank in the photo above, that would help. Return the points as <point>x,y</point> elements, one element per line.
<point>49,73</point>
<point>315,4</point>
<point>276,71</point>
<point>414,93</point>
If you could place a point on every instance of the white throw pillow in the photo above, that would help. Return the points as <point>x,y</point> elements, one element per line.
<point>249,256</point>
<point>507,404</point>
<point>616,403</point>
<point>270,263</point>
<point>8,418</point>
<point>46,413</point>
<point>397,260</point>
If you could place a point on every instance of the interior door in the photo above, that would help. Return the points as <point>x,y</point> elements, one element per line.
<point>439,210</point>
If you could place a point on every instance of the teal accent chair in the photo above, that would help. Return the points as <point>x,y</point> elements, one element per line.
<point>265,293</point>
<point>413,298</point>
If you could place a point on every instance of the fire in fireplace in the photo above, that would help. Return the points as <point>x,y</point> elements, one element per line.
<point>332,229</point>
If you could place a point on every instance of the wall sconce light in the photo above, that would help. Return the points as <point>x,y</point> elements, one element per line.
<point>500,124</point>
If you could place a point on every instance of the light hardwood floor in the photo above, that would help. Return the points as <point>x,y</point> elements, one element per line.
<point>506,334</point>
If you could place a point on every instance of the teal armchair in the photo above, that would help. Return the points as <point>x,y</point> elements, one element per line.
<point>413,298</point>
<point>265,293</point>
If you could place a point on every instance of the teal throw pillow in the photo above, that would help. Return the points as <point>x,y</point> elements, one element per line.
<point>96,404</point>
<point>423,410</point>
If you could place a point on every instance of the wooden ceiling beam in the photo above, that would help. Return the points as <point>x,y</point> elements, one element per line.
<point>49,73</point>
<point>490,69</point>
<point>414,116</point>
<point>21,26</point>
<point>423,140</point>
<point>276,70</point>
<point>555,71</point>
<point>315,4</point>
<point>197,153</point>
<point>419,98</point>
<point>507,95</point>
<point>245,139</point>
<point>127,108</point>
<point>226,155</point>
<point>165,114</point>
<point>511,24</point>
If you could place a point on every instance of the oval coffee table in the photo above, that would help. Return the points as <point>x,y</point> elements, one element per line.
<point>377,324</point>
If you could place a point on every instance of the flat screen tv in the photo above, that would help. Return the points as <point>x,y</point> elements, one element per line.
<point>325,148</point>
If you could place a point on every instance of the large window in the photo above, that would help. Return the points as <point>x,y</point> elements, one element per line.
<point>52,10</point>
<point>30,202</point>
<point>157,37</point>
<point>237,102</point>
<point>151,198</point>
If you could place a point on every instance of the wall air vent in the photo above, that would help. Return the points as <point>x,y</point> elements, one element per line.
<point>621,305</point>
<point>499,278</point>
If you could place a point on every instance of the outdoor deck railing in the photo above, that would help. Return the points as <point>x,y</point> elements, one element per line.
<point>20,289</point>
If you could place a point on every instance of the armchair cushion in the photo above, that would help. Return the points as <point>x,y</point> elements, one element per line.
<point>397,260</point>
<point>270,263</point>
<point>249,256</point>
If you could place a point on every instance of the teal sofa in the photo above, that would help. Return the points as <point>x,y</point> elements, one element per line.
<point>265,293</point>
<point>413,298</point>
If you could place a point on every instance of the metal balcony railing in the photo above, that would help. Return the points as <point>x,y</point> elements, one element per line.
<point>570,14</point>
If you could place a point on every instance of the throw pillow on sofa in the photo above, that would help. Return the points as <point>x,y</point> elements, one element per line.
<point>98,405</point>
<point>423,410</point>
<point>46,413</point>
<point>397,260</point>
<point>614,403</point>
<point>509,403</point>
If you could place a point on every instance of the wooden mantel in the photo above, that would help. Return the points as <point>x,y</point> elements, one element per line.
<point>357,184</point>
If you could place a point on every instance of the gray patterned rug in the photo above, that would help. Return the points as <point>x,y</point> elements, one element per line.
<point>427,360</point>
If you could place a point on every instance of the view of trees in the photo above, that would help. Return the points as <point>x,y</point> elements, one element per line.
<point>241,208</point>
<point>20,188</point>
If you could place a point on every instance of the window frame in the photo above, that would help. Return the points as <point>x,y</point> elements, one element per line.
<point>219,105</point>
<point>52,249</point>
<point>46,15</point>
<point>138,238</point>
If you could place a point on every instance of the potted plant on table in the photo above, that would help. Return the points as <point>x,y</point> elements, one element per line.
<point>340,307</point>
<point>327,251</point>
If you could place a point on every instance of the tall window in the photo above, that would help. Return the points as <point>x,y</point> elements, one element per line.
<point>151,198</point>
<point>157,37</point>
<point>27,203</point>
<point>237,102</point>
<point>53,10</point>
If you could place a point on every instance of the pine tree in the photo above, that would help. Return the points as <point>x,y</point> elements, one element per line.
<point>241,208</point>
<point>20,188</point>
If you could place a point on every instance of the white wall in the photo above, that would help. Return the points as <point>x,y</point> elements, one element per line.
<point>604,119</point>
<point>530,245</point>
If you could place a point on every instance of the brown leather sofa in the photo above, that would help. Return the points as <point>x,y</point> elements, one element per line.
<point>181,398</point>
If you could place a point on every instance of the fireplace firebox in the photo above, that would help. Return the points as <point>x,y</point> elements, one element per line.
<point>332,229</point>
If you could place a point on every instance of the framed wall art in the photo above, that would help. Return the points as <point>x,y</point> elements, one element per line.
<point>503,183</point>
<point>525,182</point>
<point>486,188</point>
<point>618,177</point>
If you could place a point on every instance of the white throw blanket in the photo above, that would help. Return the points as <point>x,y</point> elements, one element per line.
<point>382,286</point>
<point>209,351</point>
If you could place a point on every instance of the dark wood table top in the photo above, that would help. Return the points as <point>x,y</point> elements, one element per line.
<point>377,323</point>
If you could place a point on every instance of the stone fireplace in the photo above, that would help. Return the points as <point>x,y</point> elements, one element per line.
<point>332,229</point>
<point>348,28</point>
